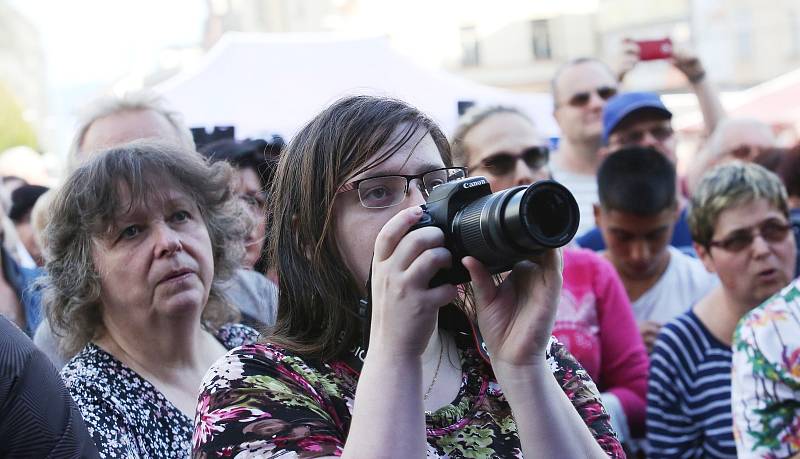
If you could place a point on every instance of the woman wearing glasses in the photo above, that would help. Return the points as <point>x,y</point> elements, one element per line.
<point>346,193</point>
<point>594,319</point>
<point>739,219</point>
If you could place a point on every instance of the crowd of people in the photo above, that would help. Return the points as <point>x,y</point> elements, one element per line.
<point>250,298</point>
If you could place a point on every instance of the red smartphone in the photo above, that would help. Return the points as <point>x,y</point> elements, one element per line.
<point>650,50</point>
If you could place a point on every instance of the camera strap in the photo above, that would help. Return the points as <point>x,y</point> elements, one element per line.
<point>354,359</point>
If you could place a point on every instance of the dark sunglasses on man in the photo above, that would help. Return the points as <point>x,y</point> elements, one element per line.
<point>581,99</point>
<point>503,163</point>
<point>772,231</point>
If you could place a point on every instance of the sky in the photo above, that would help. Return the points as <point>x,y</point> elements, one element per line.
<point>90,44</point>
<point>100,40</point>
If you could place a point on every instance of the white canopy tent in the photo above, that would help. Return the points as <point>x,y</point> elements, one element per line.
<point>274,83</point>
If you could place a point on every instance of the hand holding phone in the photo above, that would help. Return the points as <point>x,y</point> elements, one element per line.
<point>650,50</point>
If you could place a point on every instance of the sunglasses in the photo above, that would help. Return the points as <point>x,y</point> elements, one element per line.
<point>772,231</point>
<point>503,163</point>
<point>581,99</point>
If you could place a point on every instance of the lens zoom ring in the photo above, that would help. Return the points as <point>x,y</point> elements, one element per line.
<point>472,237</point>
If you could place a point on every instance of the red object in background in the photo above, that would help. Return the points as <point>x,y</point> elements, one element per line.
<point>650,50</point>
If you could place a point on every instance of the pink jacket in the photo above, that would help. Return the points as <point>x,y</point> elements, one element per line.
<point>595,322</point>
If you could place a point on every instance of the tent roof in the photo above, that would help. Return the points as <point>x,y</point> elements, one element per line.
<point>775,102</point>
<point>274,83</point>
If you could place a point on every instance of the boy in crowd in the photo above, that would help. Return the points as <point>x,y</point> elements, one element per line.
<point>636,216</point>
<point>640,119</point>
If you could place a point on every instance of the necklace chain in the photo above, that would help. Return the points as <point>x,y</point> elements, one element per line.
<point>436,371</point>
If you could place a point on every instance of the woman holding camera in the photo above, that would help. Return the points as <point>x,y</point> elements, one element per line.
<point>423,388</point>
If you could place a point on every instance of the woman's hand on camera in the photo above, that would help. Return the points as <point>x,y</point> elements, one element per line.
<point>404,307</point>
<point>516,317</point>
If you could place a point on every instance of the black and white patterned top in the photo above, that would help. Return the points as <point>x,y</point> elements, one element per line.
<point>126,415</point>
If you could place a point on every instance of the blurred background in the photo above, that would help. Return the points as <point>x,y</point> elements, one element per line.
<point>266,66</point>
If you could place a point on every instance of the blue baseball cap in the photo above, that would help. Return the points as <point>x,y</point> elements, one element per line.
<point>621,106</point>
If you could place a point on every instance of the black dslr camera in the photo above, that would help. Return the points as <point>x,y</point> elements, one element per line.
<point>499,229</point>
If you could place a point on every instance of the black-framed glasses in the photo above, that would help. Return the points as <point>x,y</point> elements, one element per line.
<point>390,190</point>
<point>503,163</point>
<point>581,99</point>
<point>772,231</point>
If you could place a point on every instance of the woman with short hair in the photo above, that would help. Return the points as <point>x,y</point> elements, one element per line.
<point>347,191</point>
<point>140,239</point>
<point>739,220</point>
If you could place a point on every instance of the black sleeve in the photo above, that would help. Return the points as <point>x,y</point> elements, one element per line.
<point>38,418</point>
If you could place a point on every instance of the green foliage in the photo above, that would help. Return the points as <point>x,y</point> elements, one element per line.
<point>14,130</point>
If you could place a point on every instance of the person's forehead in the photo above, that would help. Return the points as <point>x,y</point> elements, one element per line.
<point>637,224</point>
<point>125,126</point>
<point>585,76</point>
<point>745,215</point>
<point>248,179</point>
<point>506,132</point>
<point>418,154</point>
<point>168,194</point>
<point>641,122</point>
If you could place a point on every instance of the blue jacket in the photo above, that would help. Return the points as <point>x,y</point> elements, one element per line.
<point>23,281</point>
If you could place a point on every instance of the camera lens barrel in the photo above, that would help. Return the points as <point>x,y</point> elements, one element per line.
<point>504,228</point>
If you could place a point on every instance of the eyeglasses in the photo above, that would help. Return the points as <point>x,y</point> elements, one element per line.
<point>772,230</point>
<point>581,99</point>
<point>390,190</point>
<point>503,163</point>
<point>636,137</point>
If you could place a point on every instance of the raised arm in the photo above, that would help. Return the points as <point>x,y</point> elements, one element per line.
<point>388,409</point>
<point>707,96</point>
<point>516,319</point>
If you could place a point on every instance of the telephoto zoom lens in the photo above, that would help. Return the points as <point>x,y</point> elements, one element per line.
<point>509,226</point>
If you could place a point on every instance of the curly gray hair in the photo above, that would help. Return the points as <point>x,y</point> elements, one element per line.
<point>85,208</point>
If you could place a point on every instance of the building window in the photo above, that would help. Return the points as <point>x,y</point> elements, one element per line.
<point>540,40</point>
<point>470,51</point>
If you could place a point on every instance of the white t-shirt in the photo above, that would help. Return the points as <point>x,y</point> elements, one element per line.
<point>584,188</point>
<point>682,285</point>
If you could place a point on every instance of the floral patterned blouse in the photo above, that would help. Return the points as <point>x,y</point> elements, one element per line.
<point>126,415</point>
<point>263,401</point>
<point>766,378</point>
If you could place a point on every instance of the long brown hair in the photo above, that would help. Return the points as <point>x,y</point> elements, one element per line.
<point>318,294</point>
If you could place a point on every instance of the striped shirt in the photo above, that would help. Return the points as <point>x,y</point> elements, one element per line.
<point>689,393</point>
